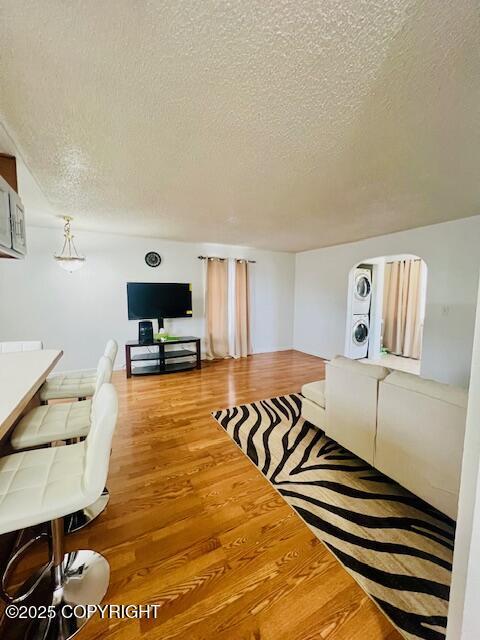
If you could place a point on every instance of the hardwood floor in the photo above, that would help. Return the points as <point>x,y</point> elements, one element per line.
<point>193,526</point>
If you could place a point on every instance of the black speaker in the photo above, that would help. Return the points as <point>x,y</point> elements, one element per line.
<point>145,332</point>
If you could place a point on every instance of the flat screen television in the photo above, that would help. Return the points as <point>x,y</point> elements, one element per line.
<point>148,300</point>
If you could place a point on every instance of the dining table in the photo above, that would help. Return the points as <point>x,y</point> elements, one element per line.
<point>22,374</point>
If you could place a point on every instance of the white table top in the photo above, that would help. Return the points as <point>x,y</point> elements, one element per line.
<point>21,376</point>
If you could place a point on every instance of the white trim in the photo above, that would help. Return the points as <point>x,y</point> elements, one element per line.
<point>464,612</point>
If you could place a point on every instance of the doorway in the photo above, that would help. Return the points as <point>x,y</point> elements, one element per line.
<point>386,311</point>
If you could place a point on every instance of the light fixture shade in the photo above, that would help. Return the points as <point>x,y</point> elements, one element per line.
<point>70,264</point>
<point>68,258</point>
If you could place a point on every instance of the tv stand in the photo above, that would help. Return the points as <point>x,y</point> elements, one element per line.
<point>156,360</point>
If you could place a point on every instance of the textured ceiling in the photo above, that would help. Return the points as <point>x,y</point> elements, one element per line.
<point>285,124</point>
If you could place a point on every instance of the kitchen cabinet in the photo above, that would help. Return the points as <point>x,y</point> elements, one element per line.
<point>13,242</point>
<point>5,227</point>
<point>17,221</point>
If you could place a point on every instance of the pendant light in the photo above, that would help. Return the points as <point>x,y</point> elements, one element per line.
<point>68,258</point>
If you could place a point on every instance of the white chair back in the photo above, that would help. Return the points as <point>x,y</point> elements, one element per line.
<point>111,349</point>
<point>99,440</point>
<point>104,373</point>
<point>19,345</point>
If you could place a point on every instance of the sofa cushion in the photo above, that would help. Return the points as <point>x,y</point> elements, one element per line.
<point>313,413</point>
<point>438,390</point>
<point>362,368</point>
<point>315,391</point>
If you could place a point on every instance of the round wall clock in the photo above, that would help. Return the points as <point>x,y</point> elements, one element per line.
<point>153,259</point>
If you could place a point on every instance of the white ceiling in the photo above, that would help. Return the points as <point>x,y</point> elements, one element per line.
<point>284,124</point>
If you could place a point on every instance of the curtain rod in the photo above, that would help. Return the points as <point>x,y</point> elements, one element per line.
<point>403,260</point>
<point>222,259</point>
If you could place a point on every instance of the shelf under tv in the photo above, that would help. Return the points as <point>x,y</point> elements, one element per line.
<point>170,367</point>
<point>178,353</point>
<point>156,358</point>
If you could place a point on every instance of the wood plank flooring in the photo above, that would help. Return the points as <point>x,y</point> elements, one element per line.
<point>194,527</point>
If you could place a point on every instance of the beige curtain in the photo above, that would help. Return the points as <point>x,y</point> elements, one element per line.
<point>402,328</point>
<point>242,310</point>
<point>216,309</point>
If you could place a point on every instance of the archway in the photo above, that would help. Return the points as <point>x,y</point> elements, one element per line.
<point>386,311</point>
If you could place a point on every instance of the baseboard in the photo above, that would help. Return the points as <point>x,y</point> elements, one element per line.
<point>121,366</point>
<point>315,355</point>
<point>290,348</point>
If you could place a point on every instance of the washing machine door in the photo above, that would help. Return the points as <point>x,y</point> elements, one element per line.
<point>360,333</point>
<point>363,287</point>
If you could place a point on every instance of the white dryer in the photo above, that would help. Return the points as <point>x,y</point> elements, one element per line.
<point>359,336</point>
<point>362,291</point>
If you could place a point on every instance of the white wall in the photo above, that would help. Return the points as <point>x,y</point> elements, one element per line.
<point>79,311</point>
<point>464,612</point>
<point>451,252</point>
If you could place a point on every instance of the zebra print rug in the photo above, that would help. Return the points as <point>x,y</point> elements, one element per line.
<point>398,548</point>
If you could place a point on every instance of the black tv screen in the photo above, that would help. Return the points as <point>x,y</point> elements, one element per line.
<point>148,300</point>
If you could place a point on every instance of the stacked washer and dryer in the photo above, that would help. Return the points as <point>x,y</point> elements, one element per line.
<point>360,323</point>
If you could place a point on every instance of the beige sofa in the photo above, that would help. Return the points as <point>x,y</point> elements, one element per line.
<point>350,414</point>
<point>420,434</point>
<point>409,428</point>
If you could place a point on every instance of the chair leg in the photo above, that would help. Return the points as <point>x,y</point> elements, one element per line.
<point>57,553</point>
<point>75,578</point>
<point>78,578</point>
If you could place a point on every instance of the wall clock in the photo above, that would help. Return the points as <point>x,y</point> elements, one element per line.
<point>153,259</point>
